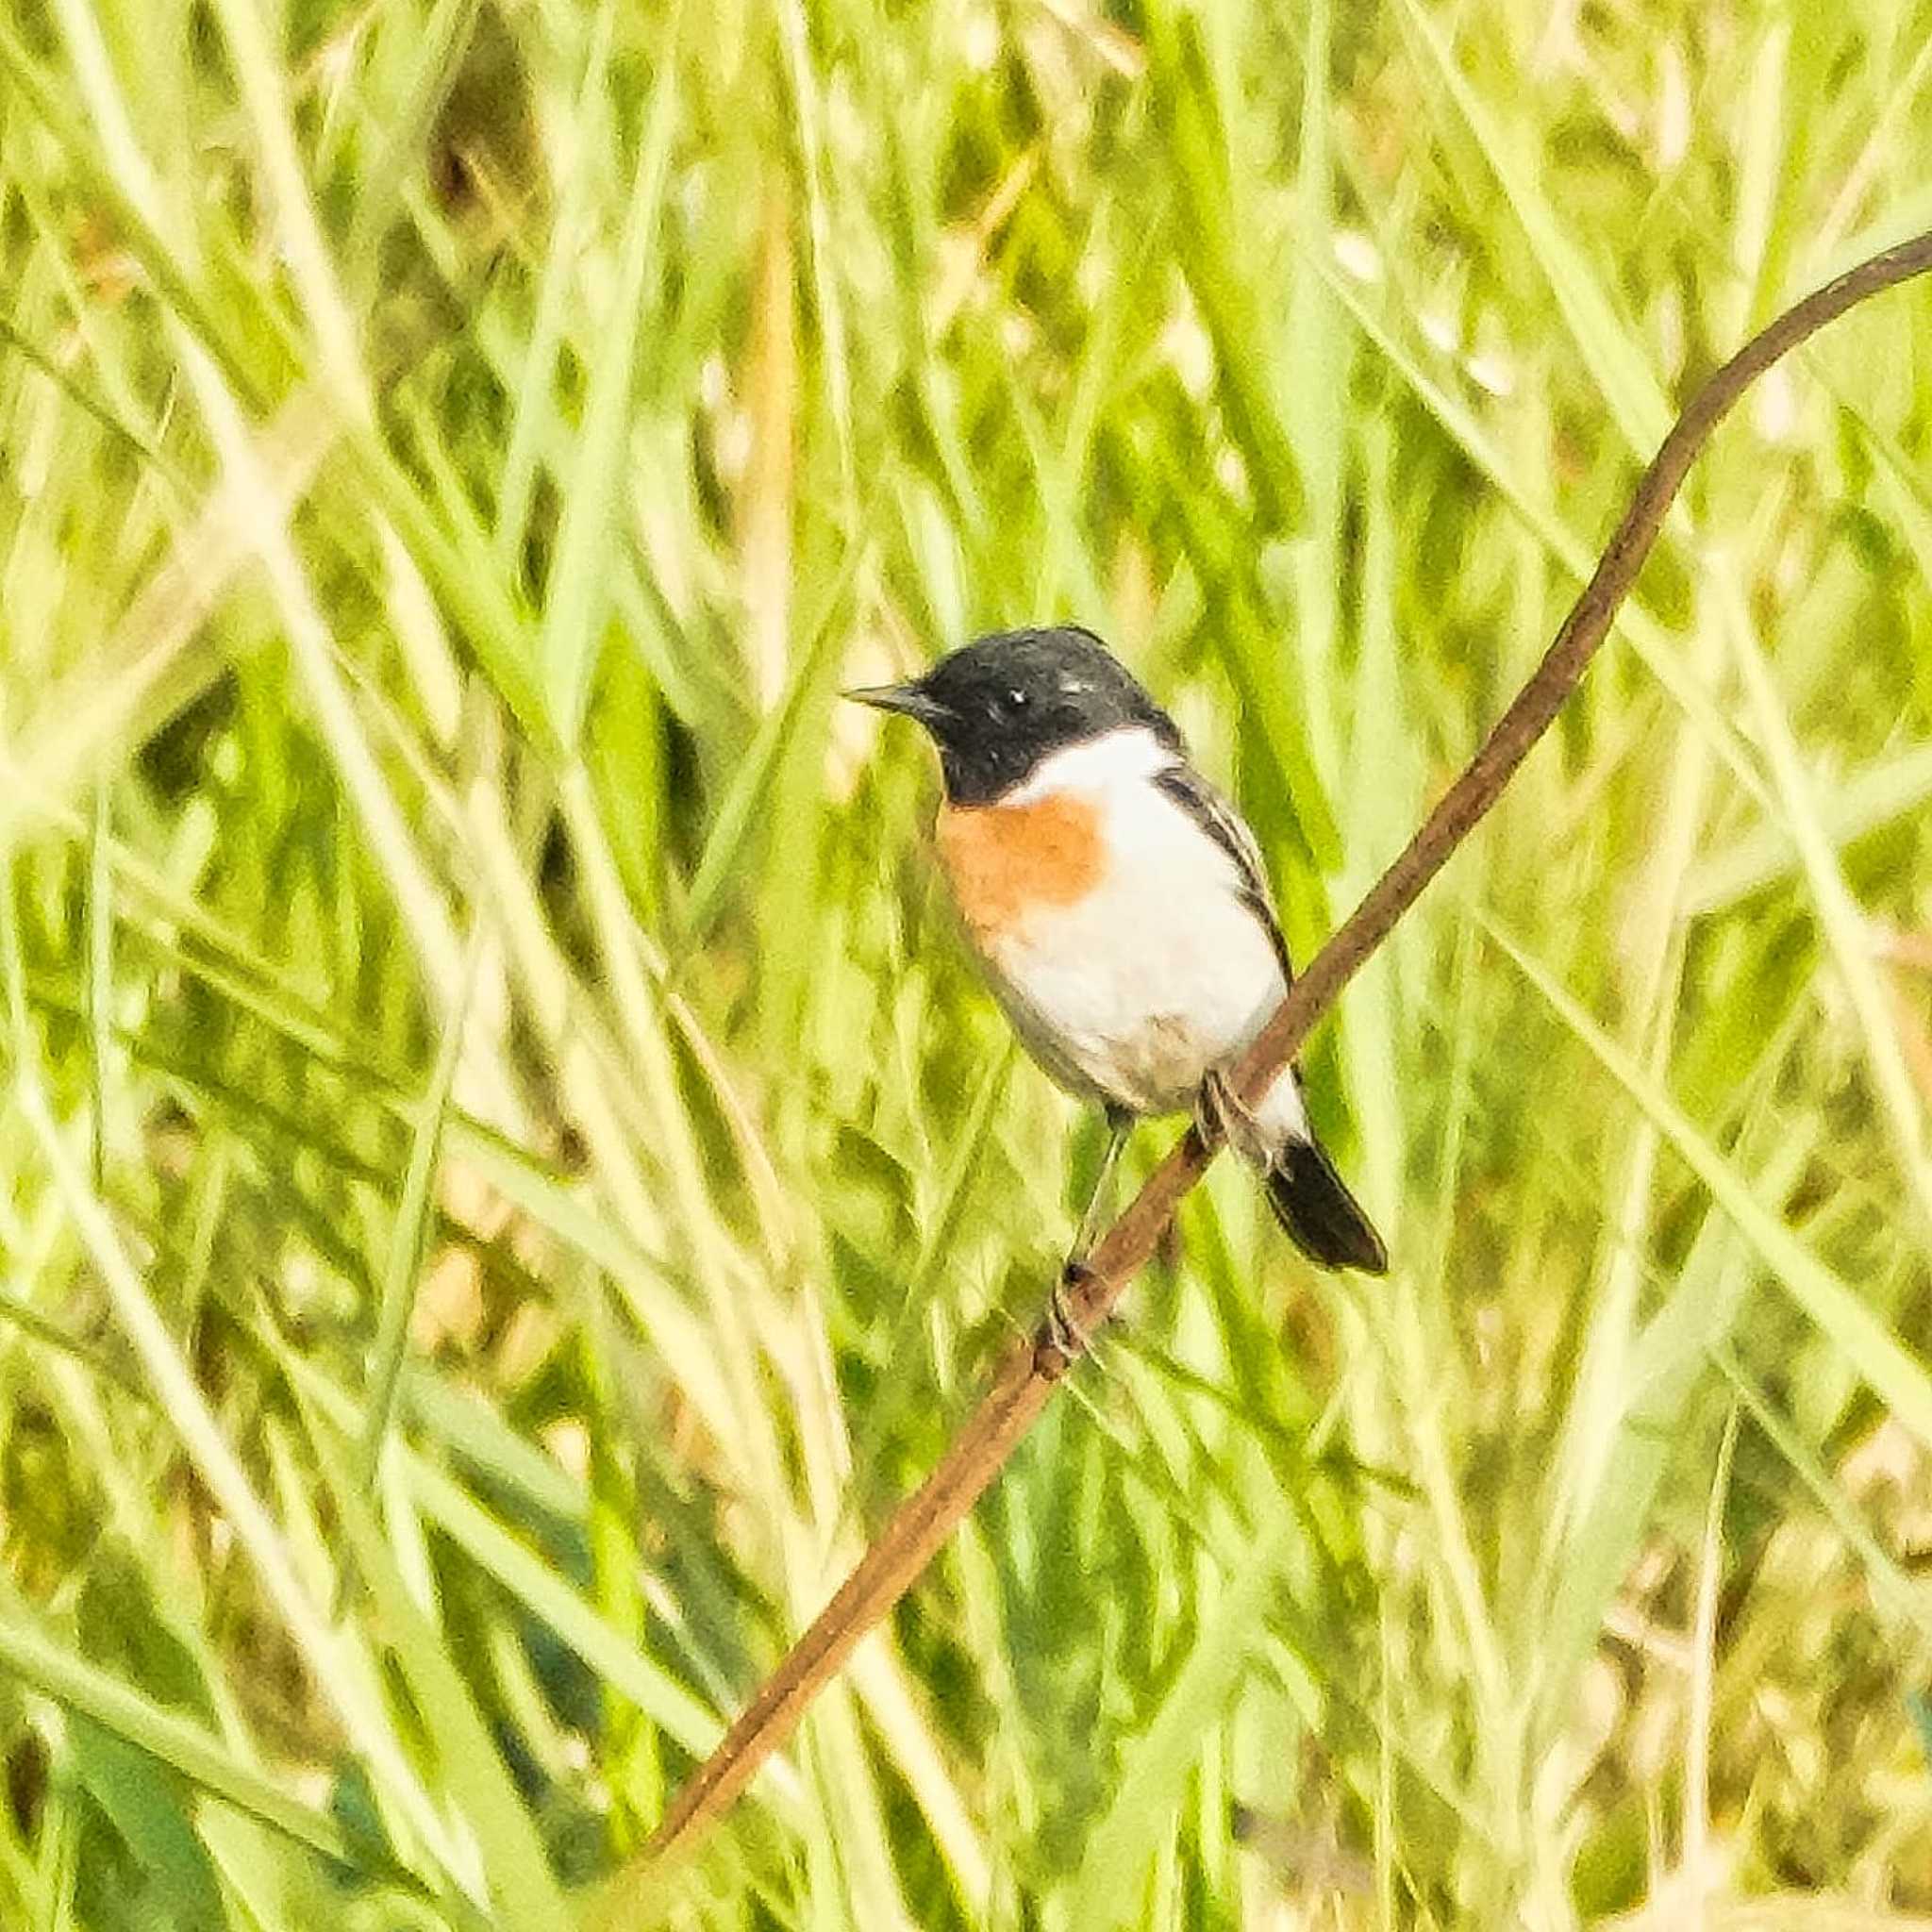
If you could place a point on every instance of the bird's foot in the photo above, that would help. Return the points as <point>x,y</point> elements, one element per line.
<point>1221,1115</point>
<point>1063,1333</point>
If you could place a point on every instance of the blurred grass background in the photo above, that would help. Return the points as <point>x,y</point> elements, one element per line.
<point>507,1176</point>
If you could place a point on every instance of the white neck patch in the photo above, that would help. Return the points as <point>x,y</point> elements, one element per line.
<point>1101,765</point>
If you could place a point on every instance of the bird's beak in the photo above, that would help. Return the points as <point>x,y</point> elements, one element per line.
<point>912,700</point>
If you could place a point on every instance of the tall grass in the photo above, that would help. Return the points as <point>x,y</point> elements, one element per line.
<point>508,1175</point>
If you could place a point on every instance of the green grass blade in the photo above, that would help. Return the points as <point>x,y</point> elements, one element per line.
<point>1866,1343</point>
<point>409,1232</point>
<point>38,1661</point>
<point>1846,930</point>
<point>578,601</point>
<point>1113,1869</point>
<point>521,1881</point>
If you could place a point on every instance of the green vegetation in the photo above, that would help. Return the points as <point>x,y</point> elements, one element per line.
<point>505,1174</point>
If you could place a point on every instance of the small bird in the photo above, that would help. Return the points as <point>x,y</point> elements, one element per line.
<point>1119,907</point>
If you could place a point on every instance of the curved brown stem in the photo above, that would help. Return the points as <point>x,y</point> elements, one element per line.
<point>1025,1378</point>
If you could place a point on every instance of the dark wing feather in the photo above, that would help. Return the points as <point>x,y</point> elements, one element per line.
<point>1228,830</point>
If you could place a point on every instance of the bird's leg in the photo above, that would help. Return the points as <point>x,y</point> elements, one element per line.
<point>1120,1123</point>
<point>1062,1329</point>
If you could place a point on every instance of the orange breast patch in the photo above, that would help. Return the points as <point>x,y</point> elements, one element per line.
<point>1004,862</point>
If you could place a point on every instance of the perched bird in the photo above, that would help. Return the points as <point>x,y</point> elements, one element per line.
<point>1119,905</point>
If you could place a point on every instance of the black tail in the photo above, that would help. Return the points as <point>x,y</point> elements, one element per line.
<point>1323,1219</point>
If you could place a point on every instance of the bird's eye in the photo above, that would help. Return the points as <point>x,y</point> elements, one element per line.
<point>1016,699</point>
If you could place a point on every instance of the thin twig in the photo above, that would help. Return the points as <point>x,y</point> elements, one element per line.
<point>1027,1377</point>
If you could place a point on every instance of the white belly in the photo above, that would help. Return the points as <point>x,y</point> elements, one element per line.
<point>1159,974</point>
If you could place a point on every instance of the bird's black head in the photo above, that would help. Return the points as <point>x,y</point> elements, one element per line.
<point>1001,704</point>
